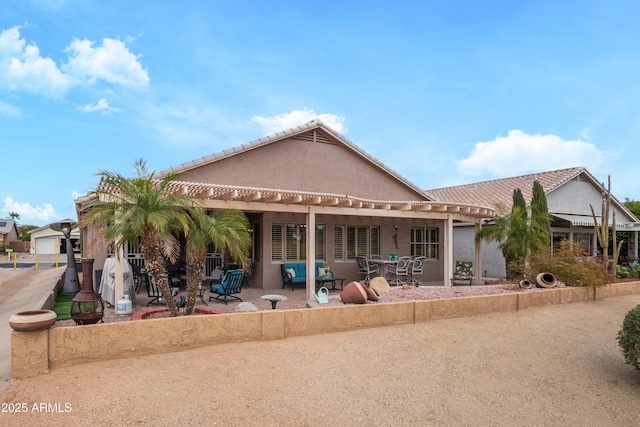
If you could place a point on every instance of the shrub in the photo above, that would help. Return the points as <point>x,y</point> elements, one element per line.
<point>629,337</point>
<point>571,265</point>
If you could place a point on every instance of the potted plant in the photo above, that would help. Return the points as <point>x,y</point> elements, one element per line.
<point>393,256</point>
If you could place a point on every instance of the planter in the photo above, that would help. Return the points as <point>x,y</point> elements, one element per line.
<point>146,313</point>
<point>34,320</point>
<point>546,280</point>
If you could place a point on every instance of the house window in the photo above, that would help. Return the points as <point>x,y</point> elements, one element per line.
<point>351,241</point>
<point>289,242</point>
<point>584,241</point>
<point>425,241</point>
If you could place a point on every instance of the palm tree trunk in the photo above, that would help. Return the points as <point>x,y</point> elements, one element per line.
<point>154,263</point>
<point>195,275</point>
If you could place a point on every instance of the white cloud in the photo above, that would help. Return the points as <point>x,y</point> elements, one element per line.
<point>111,62</point>
<point>285,121</point>
<point>102,106</point>
<point>26,211</point>
<point>22,67</point>
<point>10,111</point>
<point>520,153</point>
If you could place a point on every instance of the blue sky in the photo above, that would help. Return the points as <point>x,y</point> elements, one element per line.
<point>443,92</point>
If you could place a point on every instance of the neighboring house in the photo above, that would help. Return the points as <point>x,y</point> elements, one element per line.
<point>46,241</point>
<point>312,178</point>
<point>569,194</point>
<point>8,232</point>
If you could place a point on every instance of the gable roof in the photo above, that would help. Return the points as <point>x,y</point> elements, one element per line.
<point>314,130</point>
<point>6,225</point>
<point>490,193</point>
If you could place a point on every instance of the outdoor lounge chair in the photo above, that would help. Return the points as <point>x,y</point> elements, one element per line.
<point>153,291</point>
<point>463,272</point>
<point>231,284</point>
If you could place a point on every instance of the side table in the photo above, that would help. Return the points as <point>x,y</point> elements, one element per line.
<point>274,299</point>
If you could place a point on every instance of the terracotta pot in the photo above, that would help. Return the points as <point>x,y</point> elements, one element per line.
<point>353,293</point>
<point>546,280</point>
<point>34,320</point>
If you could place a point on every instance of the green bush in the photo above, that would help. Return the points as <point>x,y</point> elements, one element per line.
<point>629,337</point>
<point>569,264</point>
<point>622,272</point>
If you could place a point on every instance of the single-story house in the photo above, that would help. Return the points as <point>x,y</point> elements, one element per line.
<point>47,241</point>
<point>311,195</point>
<point>570,193</point>
<point>8,232</point>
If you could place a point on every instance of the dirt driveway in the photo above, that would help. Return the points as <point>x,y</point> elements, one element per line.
<point>551,366</point>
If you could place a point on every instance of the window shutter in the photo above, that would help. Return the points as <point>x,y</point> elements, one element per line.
<point>277,253</point>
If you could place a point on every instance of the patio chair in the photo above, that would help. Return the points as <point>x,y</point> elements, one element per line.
<point>463,272</point>
<point>400,273</point>
<point>366,268</point>
<point>417,269</point>
<point>231,284</point>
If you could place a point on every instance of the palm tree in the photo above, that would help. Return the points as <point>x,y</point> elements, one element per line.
<point>517,234</point>
<point>128,209</point>
<point>227,230</point>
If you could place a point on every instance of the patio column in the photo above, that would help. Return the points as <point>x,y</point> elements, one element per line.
<point>311,252</point>
<point>119,279</point>
<point>477,262</point>
<point>448,251</point>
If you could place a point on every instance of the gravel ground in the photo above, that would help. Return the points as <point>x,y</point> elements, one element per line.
<point>549,366</point>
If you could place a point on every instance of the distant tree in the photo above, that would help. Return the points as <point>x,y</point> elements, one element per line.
<point>633,206</point>
<point>14,216</point>
<point>25,230</point>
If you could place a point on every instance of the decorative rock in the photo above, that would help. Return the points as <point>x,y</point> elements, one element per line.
<point>34,320</point>
<point>379,285</point>
<point>406,287</point>
<point>245,307</point>
<point>353,293</point>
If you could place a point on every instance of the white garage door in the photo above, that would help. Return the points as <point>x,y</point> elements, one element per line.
<point>47,245</point>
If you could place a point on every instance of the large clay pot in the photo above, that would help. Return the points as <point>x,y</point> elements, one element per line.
<point>34,320</point>
<point>546,280</point>
<point>354,293</point>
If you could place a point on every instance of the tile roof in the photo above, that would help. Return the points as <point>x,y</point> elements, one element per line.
<point>489,193</point>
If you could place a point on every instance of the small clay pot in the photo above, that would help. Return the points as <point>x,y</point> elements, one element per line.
<point>34,320</point>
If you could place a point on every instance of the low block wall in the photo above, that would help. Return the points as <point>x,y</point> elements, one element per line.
<point>34,353</point>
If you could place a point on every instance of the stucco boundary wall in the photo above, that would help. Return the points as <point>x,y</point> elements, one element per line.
<point>35,353</point>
